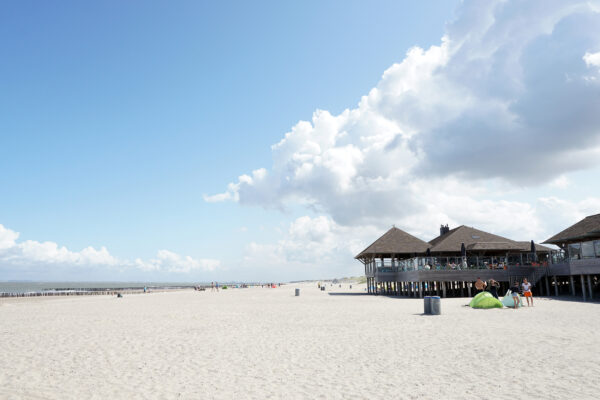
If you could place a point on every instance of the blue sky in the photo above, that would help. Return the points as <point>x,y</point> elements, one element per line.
<point>120,122</point>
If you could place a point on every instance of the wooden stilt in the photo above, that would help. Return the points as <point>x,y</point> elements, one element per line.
<point>590,286</point>
<point>583,288</point>
<point>469,288</point>
<point>572,281</point>
<point>444,289</point>
<point>555,285</point>
<point>547,287</point>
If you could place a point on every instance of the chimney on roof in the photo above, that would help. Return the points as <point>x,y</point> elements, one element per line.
<point>444,229</point>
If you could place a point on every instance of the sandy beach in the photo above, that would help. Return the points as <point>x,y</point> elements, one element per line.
<point>266,343</point>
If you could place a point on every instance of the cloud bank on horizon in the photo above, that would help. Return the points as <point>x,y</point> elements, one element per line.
<point>43,260</point>
<point>508,100</point>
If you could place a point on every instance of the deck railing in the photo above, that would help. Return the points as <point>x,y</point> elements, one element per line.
<point>390,269</point>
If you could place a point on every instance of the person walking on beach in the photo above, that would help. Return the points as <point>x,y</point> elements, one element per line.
<point>212,286</point>
<point>526,287</point>
<point>514,291</point>
<point>217,286</point>
<point>479,285</point>
<point>493,288</point>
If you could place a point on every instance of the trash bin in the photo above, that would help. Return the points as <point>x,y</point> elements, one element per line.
<point>427,304</point>
<point>322,288</point>
<point>436,305</point>
<point>297,292</point>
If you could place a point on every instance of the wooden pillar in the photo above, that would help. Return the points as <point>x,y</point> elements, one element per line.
<point>583,288</point>
<point>421,287</point>
<point>437,288</point>
<point>590,286</point>
<point>547,287</point>
<point>572,281</point>
<point>443,289</point>
<point>469,288</point>
<point>462,289</point>
<point>555,285</point>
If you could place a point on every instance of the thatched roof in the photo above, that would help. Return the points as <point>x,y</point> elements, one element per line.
<point>586,229</point>
<point>452,240</point>
<point>476,240</point>
<point>395,241</point>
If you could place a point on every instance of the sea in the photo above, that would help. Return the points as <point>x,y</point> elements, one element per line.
<point>36,287</point>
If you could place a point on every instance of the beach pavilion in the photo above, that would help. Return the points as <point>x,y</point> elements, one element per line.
<point>401,264</point>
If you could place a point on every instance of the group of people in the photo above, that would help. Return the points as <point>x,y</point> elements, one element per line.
<point>493,285</point>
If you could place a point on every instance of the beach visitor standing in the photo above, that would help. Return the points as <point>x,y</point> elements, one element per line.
<point>217,286</point>
<point>526,287</point>
<point>212,286</point>
<point>479,285</point>
<point>514,290</point>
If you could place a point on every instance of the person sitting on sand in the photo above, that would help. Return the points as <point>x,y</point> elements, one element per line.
<point>526,287</point>
<point>514,290</point>
<point>479,285</point>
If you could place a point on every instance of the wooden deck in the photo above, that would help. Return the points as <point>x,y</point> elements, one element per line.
<point>567,278</point>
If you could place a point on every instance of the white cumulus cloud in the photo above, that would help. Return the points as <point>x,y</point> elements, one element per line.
<point>503,101</point>
<point>43,257</point>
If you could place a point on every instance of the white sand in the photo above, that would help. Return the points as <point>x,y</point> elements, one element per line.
<point>266,343</point>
